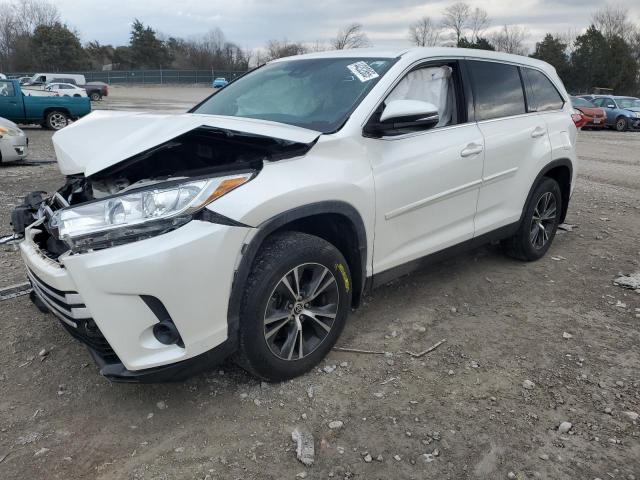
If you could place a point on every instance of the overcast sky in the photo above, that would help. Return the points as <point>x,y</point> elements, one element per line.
<point>250,23</point>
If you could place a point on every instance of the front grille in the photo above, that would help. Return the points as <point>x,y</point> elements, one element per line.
<point>74,316</point>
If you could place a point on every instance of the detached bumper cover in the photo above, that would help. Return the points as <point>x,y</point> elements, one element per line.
<point>97,297</point>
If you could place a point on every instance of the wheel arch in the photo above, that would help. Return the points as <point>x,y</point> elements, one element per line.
<point>347,233</point>
<point>48,110</point>
<point>561,170</point>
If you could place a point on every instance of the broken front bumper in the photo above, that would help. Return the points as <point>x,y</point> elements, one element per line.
<point>100,298</point>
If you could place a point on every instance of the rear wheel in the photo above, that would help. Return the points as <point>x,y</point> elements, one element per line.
<point>295,306</point>
<point>95,96</point>
<point>56,120</point>
<point>621,124</point>
<point>539,224</point>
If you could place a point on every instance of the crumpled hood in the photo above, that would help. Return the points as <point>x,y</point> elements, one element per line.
<point>633,109</point>
<point>105,138</point>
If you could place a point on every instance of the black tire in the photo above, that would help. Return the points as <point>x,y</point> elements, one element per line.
<point>56,120</point>
<point>276,259</point>
<point>622,125</point>
<point>524,245</point>
<point>95,96</point>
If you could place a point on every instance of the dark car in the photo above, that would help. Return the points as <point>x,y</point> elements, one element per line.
<point>623,113</point>
<point>96,90</point>
<point>594,116</point>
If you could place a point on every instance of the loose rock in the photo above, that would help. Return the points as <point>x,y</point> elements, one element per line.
<point>305,450</point>
<point>528,384</point>
<point>334,425</point>
<point>633,416</point>
<point>564,427</point>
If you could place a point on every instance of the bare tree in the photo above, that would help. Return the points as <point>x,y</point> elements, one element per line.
<point>614,20</point>
<point>351,36</point>
<point>569,38</point>
<point>424,33</point>
<point>456,18</point>
<point>478,23</point>
<point>18,20</point>
<point>510,39</point>
<point>32,13</point>
<point>284,48</point>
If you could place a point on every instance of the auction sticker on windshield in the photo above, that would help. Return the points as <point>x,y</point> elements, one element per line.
<point>363,71</point>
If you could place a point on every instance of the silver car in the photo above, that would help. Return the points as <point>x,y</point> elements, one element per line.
<point>13,142</point>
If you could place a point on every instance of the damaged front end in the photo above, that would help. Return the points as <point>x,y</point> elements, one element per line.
<point>151,192</point>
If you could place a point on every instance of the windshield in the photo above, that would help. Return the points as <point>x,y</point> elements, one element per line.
<point>628,102</point>
<point>318,94</point>
<point>581,102</point>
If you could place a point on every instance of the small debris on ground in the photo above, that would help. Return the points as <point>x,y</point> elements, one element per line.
<point>528,384</point>
<point>335,424</point>
<point>631,282</point>
<point>564,427</point>
<point>305,450</point>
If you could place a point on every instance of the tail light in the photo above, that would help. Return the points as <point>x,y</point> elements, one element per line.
<point>577,118</point>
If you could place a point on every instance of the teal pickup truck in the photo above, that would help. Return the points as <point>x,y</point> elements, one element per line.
<point>49,111</point>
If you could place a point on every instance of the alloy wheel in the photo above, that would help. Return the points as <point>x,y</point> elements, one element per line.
<point>58,121</point>
<point>301,311</point>
<point>543,220</point>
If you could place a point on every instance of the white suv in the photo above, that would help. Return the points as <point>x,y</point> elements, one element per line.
<point>252,225</point>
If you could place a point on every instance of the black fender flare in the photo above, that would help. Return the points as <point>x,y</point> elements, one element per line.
<point>562,162</point>
<point>250,250</point>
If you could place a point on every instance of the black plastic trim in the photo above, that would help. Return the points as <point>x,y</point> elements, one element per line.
<point>174,372</point>
<point>265,229</point>
<point>386,276</point>
<point>563,162</point>
<point>161,313</point>
<point>207,215</point>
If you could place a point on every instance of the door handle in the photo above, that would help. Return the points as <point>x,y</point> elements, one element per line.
<point>538,132</point>
<point>471,149</point>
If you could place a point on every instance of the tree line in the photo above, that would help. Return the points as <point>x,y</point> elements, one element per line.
<point>33,37</point>
<point>606,55</point>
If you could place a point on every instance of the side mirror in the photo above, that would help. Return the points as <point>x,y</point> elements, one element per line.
<point>404,114</point>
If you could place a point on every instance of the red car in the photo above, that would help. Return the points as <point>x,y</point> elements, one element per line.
<point>593,117</point>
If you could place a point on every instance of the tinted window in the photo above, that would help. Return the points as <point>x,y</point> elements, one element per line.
<point>497,90</point>
<point>545,95</point>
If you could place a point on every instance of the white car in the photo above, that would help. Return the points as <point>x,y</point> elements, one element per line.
<point>253,224</point>
<point>14,143</point>
<point>65,90</point>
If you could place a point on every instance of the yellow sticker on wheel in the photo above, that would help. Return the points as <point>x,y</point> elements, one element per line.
<point>345,277</point>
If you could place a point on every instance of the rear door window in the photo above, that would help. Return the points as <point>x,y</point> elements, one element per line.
<point>545,94</point>
<point>497,90</point>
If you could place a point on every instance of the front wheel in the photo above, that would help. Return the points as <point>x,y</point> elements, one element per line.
<point>539,223</point>
<point>622,124</point>
<point>296,302</point>
<point>56,120</point>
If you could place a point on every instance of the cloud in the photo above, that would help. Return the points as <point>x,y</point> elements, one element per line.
<point>250,23</point>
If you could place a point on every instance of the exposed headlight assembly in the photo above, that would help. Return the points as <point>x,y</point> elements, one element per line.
<point>9,131</point>
<point>140,213</point>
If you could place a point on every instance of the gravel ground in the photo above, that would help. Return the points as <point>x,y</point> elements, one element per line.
<point>557,326</point>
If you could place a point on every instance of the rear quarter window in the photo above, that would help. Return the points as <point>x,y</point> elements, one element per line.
<point>497,90</point>
<point>544,94</point>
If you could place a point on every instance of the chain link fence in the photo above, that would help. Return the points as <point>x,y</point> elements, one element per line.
<point>149,77</point>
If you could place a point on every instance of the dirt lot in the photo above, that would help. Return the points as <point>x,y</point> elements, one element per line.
<point>463,404</point>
